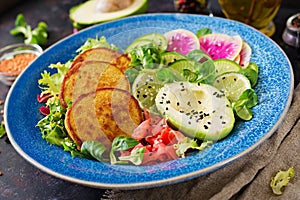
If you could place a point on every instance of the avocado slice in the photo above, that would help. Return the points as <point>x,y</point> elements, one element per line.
<point>86,14</point>
<point>197,110</point>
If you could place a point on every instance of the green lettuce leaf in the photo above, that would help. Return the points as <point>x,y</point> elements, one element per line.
<point>136,156</point>
<point>281,179</point>
<point>51,84</point>
<point>187,143</point>
<point>121,143</point>
<point>2,130</point>
<point>96,43</point>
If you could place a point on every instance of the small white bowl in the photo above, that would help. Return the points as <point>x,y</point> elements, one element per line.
<point>8,76</point>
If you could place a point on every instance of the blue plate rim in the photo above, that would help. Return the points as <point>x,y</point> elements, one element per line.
<point>154,183</point>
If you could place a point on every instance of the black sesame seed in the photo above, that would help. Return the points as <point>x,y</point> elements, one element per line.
<point>149,87</point>
<point>234,79</point>
<point>167,108</point>
<point>205,126</point>
<point>189,122</point>
<point>164,94</point>
<point>199,102</point>
<point>177,103</point>
<point>168,101</point>
<point>223,77</point>
<point>214,93</point>
<point>209,122</point>
<point>144,95</point>
<point>189,103</point>
<point>223,122</point>
<point>221,117</point>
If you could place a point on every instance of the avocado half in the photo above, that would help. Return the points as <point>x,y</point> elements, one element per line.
<point>85,14</point>
<point>197,110</point>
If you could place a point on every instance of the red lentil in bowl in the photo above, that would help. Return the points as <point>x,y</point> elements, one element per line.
<point>15,58</point>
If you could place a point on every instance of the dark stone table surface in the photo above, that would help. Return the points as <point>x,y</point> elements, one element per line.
<point>20,179</point>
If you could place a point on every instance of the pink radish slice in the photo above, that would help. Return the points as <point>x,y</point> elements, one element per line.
<point>218,45</point>
<point>182,41</point>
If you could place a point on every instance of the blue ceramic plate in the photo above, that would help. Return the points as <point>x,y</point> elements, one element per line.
<point>274,89</point>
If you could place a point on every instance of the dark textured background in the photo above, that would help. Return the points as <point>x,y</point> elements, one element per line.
<point>21,180</point>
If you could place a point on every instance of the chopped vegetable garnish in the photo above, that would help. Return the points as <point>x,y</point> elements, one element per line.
<point>38,35</point>
<point>281,179</point>
<point>2,131</point>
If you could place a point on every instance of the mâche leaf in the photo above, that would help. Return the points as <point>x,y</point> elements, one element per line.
<point>38,35</point>
<point>2,131</point>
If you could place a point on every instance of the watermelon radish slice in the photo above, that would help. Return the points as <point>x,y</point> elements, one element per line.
<point>218,45</point>
<point>182,41</point>
<point>237,59</point>
<point>245,55</point>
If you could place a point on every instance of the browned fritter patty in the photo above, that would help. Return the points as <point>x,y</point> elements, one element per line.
<point>97,54</point>
<point>103,115</point>
<point>87,76</point>
<point>123,62</point>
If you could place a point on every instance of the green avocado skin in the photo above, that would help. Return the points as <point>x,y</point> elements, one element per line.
<point>80,26</point>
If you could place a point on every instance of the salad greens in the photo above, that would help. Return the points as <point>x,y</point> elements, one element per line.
<point>50,84</point>
<point>122,143</point>
<point>183,146</point>
<point>98,151</point>
<point>95,43</point>
<point>242,107</point>
<point>195,67</point>
<point>281,179</point>
<point>38,35</point>
<point>2,130</point>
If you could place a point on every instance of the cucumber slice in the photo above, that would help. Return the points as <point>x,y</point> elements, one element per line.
<point>233,84</point>
<point>170,57</point>
<point>224,65</point>
<point>137,43</point>
<point>157,39</point>
<point>145,88</point>
<point>180,65</point>
<point>198,110</point>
